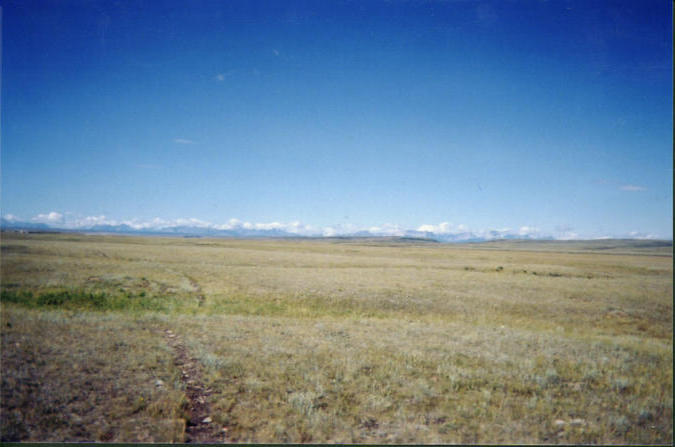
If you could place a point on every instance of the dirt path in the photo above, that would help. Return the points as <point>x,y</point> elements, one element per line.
<point>194,285</point>
<point>199,427</point>
<point>196,289</point>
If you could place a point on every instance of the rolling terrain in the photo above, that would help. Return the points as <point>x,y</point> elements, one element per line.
<point>398,340</point>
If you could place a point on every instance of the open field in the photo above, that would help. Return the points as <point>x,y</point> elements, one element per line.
<point>112,338</point>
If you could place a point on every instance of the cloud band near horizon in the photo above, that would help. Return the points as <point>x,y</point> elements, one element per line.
<point>72,221</point>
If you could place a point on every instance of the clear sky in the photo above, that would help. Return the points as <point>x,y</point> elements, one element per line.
<point>550,115</point>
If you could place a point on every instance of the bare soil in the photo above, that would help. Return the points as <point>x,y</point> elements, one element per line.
<point>198,427</point>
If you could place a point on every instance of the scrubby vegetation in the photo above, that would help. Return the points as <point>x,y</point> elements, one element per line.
<point>84,300</point>
<point>335,341</point>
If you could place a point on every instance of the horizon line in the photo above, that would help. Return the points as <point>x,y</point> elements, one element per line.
<point>443,231</point>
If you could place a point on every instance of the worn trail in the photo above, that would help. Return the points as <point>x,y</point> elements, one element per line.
<point>199,427</point>
<point>197,289</point>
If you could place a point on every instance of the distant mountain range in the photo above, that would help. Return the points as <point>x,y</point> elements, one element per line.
<point>7,224</point>
<point>241,232</point>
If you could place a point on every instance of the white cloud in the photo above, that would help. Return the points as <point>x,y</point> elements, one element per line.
<point>73,221</point>
<point>496,233</point>
<point>441,228</point>
<point>629,235</point>
<point>220,77</point>
<point>528,231</point>
<point>136,225</point>
<point>49,218</point>
<point>632,188</point>
<point>295,227</point>
<point>159,222</point>
<point>92,220</point>
<point>183,141</point>
<point>565,233</point>
<point>387,229</point>
<point>463,232</point>
<point>268,226</point>
<point>329,231</point>
<point>640,235</point>
<point>568,236</point>
<point>230,225</point>
<point>191,222</point>
<point>444,230</point>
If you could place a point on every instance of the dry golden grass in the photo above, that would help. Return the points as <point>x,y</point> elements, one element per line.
<point>83,376</point>
<point>340,341</point>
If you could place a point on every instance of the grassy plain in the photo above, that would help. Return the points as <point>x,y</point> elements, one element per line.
<point>337,340</point>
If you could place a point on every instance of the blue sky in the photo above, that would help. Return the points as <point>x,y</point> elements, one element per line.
<point>546,116</point>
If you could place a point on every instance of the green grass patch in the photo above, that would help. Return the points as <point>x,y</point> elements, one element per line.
<point>75,299</point>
